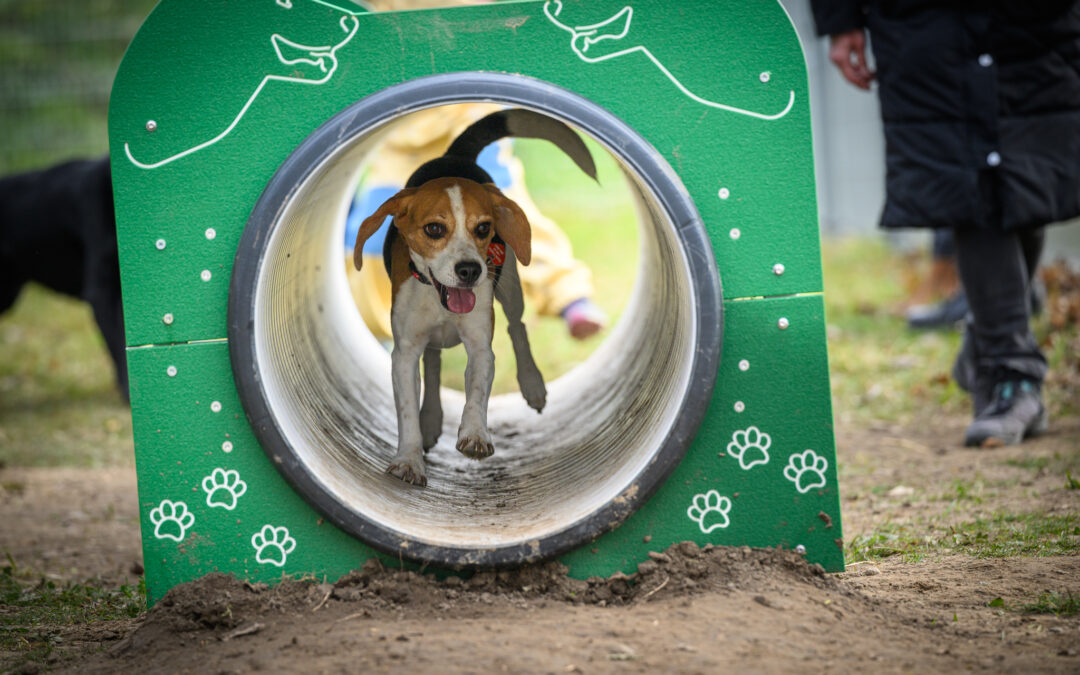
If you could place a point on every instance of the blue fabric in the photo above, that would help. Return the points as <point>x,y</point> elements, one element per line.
<point>368,200</point>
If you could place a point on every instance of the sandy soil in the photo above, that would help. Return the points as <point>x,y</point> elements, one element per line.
<point>687,610</point>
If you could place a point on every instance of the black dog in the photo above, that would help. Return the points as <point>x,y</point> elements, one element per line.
<point>58,228</point>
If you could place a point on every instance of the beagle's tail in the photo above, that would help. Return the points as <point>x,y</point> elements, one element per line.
<point>521,123</point>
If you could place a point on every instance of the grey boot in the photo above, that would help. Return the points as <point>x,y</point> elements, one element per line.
<point>1015,412</point>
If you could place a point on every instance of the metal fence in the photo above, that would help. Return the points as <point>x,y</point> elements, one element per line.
<point>57,62</point>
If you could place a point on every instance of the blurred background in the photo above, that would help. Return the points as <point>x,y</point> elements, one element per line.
<point>67,484</point>
<point>57,62</point>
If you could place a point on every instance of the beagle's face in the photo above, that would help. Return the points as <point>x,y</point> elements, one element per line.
<point>447,227</point>
<point>447,224</point>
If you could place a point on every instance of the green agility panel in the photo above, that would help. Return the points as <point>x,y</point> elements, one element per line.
<point>262,407</point>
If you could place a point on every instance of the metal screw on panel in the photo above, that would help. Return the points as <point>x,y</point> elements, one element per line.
<point>227,446</point>
<point>739,406</point>
<point>160,244</point>
<point>168,319</point>
<point>800,549</point>
<point>764,77</point>
<point>205,275</point>
<point>783,323</point>
<point>778,269</point>
<point>744,365</point>
<point>171,370</point>
<point>724,193</point>
<point>211,233</point>
<point>151,125</point>
<point>216,406</point>
<point>735,233</point>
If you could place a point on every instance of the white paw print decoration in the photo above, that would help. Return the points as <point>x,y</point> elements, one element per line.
<point>710,511</point>
<point>171,520</point>
<point>272,545</point>
<point>223,488</point>
<point>750,447</point>
<point>806,470</point>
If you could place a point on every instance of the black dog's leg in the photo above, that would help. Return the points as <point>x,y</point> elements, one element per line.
<point>109,314</point>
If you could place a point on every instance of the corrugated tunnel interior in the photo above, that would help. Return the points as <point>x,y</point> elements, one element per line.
<point>316,384</point>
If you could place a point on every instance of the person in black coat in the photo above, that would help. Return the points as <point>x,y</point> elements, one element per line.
<point>981,109</point>
<point>58,228</point>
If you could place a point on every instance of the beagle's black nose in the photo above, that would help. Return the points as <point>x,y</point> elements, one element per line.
<point>467,272</point>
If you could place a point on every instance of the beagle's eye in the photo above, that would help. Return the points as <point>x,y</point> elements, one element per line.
<point>435,230</point>
<point>483,230</point>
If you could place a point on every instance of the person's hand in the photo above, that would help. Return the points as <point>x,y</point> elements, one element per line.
<point>848,52</point>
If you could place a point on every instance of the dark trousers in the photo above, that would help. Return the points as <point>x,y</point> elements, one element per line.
<point>943,244</point>
<point>996,269</point>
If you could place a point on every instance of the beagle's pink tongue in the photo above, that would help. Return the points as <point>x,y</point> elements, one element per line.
<point>460,300</point>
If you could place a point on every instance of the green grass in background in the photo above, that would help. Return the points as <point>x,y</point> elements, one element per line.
<point>58,401</point>
<point>1000,535</point>
<point>881,370</point>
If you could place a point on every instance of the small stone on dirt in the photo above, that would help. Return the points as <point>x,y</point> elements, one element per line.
<point>689,549</point>
<point>901,491</point>
<point>647,567</point>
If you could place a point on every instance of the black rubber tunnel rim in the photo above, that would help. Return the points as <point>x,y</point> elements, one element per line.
<point>636,154</point>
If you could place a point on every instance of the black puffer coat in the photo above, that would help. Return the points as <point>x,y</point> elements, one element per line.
<point>981,106</point>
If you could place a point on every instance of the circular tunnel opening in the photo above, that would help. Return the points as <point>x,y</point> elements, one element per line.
<point>316,384</point>
<point>584,238</point>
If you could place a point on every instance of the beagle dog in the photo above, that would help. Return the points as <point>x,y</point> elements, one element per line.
<point>452,248</point>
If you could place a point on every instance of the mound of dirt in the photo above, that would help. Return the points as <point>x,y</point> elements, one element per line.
<point>218,604</point>
<point>686,609</point>
<point>219,608</point>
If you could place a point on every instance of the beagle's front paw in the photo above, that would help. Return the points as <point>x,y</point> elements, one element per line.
<point>475,445</point>
<point>410,472</point>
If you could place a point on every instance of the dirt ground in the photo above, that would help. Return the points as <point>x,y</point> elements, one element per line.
<point>687,610</point>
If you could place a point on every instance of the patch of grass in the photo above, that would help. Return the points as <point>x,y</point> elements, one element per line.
<point>999,536</point>
<point>59,404</point>
<point>889,540</point>
<point>1070,482</point>
<point>880,369</point>
<point>32,615</point>
<point>966,490</point>
<point>1012,534</point>
<point>1035,464</point>
<point>1052,602</point>
<point>883,371</point>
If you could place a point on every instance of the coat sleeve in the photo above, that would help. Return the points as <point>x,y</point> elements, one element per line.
<point>838,16</point>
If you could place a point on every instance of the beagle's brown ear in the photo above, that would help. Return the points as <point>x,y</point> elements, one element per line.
<point>396,206</point>
<point>511,224</point>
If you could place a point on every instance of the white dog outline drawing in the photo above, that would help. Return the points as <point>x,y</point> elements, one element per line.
<point>584,37</point>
